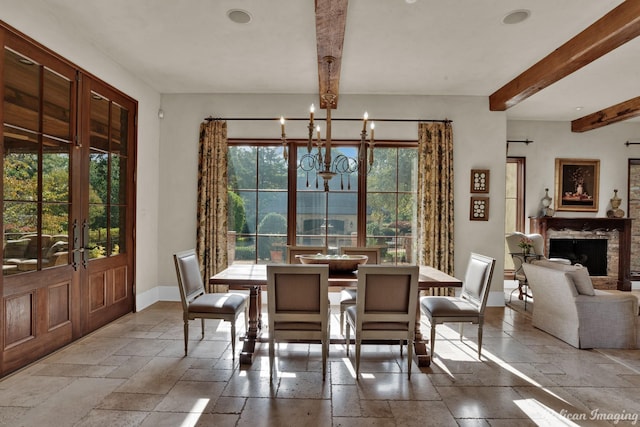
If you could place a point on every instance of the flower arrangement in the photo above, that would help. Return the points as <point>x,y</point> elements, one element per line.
<point>526,244</point>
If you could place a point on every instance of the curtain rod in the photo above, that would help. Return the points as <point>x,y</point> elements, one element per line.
<point>210,118</point>
<point>628,143</point>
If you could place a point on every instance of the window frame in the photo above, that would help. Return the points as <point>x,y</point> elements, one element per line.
<point>292,199</point>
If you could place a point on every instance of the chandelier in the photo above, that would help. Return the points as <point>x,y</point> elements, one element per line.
<point>319,158</point>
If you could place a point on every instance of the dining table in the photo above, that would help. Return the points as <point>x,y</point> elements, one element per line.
<point>253,277</point>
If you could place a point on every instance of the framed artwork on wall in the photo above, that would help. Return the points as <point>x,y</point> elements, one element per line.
<point>577,185</point>
<point>479,209</point>
<point>480,180</point>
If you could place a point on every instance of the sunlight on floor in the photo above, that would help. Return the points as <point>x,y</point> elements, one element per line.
<point>193,416</point>
<point>541,414</point>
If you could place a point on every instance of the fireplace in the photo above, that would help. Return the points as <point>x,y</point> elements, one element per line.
<point>591,253</point>
<point>615,231</point>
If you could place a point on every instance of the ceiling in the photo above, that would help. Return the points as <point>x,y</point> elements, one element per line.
<point>429,47</point>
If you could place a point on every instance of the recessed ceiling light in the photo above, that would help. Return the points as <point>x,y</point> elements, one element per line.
<point>410,1</point>
<point>578,108</point>
<point>516,16</point>
<point>239,16</point>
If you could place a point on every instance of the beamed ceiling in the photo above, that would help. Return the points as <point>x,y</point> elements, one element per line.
<point>571,60</point>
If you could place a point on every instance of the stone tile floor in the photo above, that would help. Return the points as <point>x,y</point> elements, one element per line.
<point>133,373</point>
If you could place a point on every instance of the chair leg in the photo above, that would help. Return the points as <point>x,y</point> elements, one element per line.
<point>233,339</point>
<point>348,337</point>
<point>341,320</point>
<point>479,340</point>
<point>186,335</point>
<point>202,322</point>
<point>401,343</point>
<point>358,345</point>
<point>433,338</point>
<point>272,355</point>
<point>325,353</point>
<point>410,354</point>
<point>461,329</point>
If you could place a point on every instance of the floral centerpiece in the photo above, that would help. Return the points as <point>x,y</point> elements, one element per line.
<point>526,244</point>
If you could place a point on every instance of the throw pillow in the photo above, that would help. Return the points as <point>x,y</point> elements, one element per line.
<point>582,281</point>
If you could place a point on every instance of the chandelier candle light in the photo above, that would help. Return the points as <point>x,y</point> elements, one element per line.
<point>322,162</point>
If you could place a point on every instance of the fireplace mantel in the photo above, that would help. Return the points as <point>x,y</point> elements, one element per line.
<point>622,225</point>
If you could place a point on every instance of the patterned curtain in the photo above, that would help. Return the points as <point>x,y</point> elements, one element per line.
<point>435,195</point>
<point>211,236</point>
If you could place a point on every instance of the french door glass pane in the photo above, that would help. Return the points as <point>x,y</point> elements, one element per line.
<point>55,171</point>
<point>55,231</point>
<point>117,226</point>
<point>119,126</point>
<point>98,239</point>
<point>98,177</point>
<point>118,180</point>
<point>57,106</point>
<point>20,176</point>
<point>22,91</point>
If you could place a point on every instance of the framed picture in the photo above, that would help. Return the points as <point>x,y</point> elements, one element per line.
<point>479,209</point>
<point>479,180</point>
<point>577,185</point>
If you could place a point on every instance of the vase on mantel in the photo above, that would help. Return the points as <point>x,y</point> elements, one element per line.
<point>615,211</point>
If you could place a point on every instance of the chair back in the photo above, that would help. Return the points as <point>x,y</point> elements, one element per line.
<point>387,294</point>
<point>477,280</point>
<point>298,297</point>
<point>373,254</point>
<point>536,239</point>
<point>292,251</point>
<point>189,276</point>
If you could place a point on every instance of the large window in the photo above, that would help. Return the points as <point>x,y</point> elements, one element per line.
<point>268,208</point>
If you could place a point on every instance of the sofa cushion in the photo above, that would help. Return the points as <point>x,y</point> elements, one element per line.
<point>582,281</point>
<point>556,265</point>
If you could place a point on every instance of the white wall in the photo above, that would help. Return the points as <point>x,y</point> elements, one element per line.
<point>479,143</point>
<point>62,40</point>
<point>553,140</point>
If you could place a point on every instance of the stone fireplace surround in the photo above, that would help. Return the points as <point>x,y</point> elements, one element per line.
<point>617,231</point>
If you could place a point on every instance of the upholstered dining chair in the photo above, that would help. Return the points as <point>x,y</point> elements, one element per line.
<point>292,251</point>
<point>469,306</point>
<point>513,240</point>
<point>298,307</point>
<point>348,295</point>
<point>386,305</point>
<point>196,303</point>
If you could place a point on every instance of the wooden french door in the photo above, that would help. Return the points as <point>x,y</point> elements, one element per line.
<point>106,249</point>
<point>68,153</point>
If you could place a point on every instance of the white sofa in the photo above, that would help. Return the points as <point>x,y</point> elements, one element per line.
<point>566,306</point>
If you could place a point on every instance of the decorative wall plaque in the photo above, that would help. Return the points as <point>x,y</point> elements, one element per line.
<point>479,210</point>
<point>479,180</point>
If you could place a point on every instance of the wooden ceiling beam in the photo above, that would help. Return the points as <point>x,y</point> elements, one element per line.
<point>331,18</point>
<point>616,113</point>
<point>609,32</point>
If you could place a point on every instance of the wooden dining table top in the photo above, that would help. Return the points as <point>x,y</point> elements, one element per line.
<point>256,275</point>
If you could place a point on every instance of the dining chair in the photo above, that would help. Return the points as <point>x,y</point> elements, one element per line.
<point>385,308</point>
<point>292,251</point>
<point>513,240</point>
<point>348,295</point>
<point>469,306</point>
<point>197,304</point>
<point>298,307</point>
